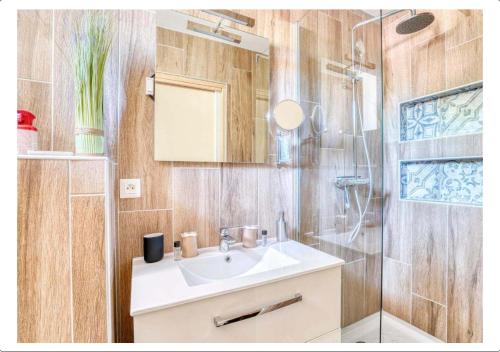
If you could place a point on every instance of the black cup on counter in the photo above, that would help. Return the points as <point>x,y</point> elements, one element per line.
<point>153,247</point>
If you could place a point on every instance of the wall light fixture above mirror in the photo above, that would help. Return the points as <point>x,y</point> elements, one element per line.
<point>211,91</point>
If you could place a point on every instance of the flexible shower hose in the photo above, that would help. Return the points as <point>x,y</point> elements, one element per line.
<point>362,213</point>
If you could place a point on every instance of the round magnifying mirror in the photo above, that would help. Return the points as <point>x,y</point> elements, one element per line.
<point>288,114</point>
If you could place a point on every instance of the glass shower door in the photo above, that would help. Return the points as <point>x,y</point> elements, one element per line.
<point>340,157</point>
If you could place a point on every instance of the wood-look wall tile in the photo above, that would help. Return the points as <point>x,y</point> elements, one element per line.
<point>132,227</point>
<point>428,67</point>
<point>34,45</point>
<point>353,292</point>
<point>196,204</point>
<point>464,63</point>
<point>170,59</point>
<point>465,274</point>
<point>329,32</point>
<point>239,195</point>
<point>336,111</point>
<point>397,88</point>
<point>469,26</point>
<point>296,15</point>
<point>429,241</point>
<point>396,288</point>
<point>243,59</point>
<point>309,63</point>
<point>309,200</point>
<point>138,48</point>
<point>43,264</point>
<point>63,85</point>
<point>340,247</point>
<point>330,198</point>
<point>429,316</point>
<point>373,283</point>
<point>397,231</point>
<point>373,54</point>
<point>36,97</point>
<point>463,146</point>
<point>197,58</point>
<point>88,269</point>
<point>171,38</point>
<point>426,149</point>
<point>276,25</point>
<point>87,176</point>
<point>111,89</point>
<point>275,185</point>
<point>372,227</point>
<point>350,18</point>
<point>241,126</point>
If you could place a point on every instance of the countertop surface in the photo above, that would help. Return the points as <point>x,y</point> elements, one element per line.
<point>162,285</point>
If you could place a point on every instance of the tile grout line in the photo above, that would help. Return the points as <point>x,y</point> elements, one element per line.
<point>144,210</point>
<point>87,194</point>
<point>34,80</point>
<point>428,299</point>
<point>463,43</point>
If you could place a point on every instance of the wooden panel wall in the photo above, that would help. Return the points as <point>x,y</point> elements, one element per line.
<point>44,291</point>
<point>244,193</point>
<point>61,259</point>
<point>436,248</point>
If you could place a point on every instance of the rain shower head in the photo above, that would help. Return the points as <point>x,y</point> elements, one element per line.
<point>415,23</point>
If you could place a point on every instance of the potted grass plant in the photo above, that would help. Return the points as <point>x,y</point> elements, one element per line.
<point>92,42</point>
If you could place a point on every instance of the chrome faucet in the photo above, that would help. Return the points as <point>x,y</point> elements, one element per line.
<point>226,240</point>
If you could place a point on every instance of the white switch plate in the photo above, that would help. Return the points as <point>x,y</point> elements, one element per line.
<point>150,86</point>
<point>130,188</point>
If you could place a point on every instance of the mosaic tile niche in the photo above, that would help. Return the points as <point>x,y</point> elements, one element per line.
<point>456,181</point>
<point>458,111</point>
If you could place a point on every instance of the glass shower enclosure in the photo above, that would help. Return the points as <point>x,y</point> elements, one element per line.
<point>340,156</point>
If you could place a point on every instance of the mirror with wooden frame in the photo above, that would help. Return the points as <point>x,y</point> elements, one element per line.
<point>211,92</point>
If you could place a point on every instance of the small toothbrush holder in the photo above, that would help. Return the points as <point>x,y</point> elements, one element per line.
<point>249,237</point>
<point>189,244</point>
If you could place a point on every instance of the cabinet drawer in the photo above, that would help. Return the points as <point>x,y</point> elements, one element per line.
<point>316,314</point>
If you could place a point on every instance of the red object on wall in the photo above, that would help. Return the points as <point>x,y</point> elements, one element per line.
<point>25,120</point>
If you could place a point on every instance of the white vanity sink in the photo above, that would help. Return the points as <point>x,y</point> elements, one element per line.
<point>215,287</point>
<point>235,263</point>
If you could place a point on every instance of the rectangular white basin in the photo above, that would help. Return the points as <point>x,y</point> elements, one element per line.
<point>235,263</point>
<point>168,283</point>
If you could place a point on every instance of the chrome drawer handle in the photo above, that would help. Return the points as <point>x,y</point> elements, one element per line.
<point>220,321</point>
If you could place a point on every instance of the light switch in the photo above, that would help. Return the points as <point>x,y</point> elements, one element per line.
<point>130,188</point>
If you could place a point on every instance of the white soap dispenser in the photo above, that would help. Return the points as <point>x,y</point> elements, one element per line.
<point>281,228</point>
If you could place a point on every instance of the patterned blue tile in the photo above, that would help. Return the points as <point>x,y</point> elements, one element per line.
<point>451,181</point>
<point>454,112</point>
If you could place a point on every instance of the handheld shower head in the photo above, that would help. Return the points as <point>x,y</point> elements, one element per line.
<point>415,23</point>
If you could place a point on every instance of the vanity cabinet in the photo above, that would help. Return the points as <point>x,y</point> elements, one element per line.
<point>315,317</point>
